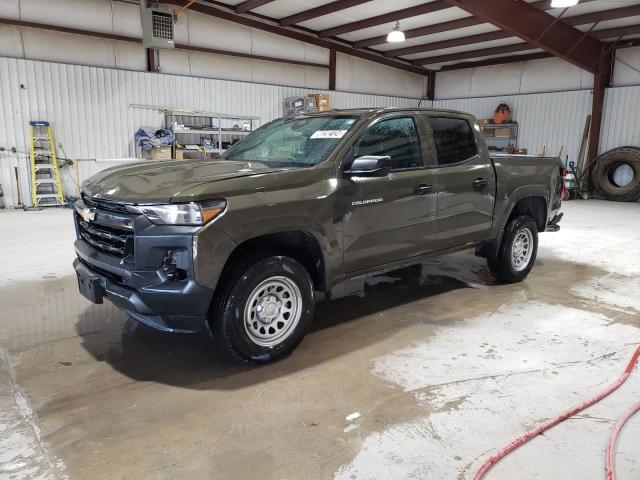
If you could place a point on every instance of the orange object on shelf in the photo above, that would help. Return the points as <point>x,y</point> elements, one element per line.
<point>502,114</point>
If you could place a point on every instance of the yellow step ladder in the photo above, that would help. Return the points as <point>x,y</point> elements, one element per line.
<point>46,189</point>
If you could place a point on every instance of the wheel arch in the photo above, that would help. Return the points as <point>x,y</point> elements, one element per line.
<point>533,205</point>
<point>303,246</point>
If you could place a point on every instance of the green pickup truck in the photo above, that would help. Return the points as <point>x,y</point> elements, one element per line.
<point>241,246</point>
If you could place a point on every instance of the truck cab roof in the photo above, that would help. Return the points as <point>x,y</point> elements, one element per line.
<point>374,111</point>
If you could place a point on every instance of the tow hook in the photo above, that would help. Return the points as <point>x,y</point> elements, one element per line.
<point>553,226</point>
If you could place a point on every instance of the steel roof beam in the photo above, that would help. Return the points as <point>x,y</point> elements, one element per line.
<point>250,5</point>
<point>497,61</point>
<point>521,46</point>
<point>301,35</point>
<point>584,19</point>
<point>390,17</point>
<point>319,11</point>
<point>444,26</point>
<point>537,28</point>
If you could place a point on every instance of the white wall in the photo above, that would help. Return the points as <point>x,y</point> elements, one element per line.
<point>534,76</point>
<point>626,70</point>
<point>357,75</point>
<point>621,120</point>
<point>550,100</point>
<point>92,114</point>
<point>193,28</point>
<point>547,75</point>
<point>550,120</point>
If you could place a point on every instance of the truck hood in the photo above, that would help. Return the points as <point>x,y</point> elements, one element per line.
<point>161,181</point>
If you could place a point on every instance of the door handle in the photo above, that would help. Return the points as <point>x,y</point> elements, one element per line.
<point>480,182</point>
<point>423,189</point>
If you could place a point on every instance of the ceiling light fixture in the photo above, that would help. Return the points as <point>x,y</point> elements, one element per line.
<point>563,3</point>
<point>396,35</point>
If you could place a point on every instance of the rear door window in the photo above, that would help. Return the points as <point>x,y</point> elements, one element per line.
<point>454,139</point>
<point>395,137</point>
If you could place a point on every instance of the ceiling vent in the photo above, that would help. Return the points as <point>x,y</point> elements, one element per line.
<point>157,27</point>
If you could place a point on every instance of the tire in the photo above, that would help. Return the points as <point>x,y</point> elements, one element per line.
<point>605,168</point>
<point>504,267</point>
<point>264,309</point>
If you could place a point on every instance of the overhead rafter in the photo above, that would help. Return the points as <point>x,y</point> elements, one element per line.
<point>300,35</point>
<point>528,56</point>
<point>250,5</point>
<point>452,42</point>
<point>482,52</point>
<point>538,28</point>
<point>390,17</point>
<point>521,46</point>
<point>319,11</point>
<point>584,19</point>
<point>497,61</point>
<point>443,26</point>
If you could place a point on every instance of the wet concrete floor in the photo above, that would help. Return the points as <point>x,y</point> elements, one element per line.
<point>422,377</point>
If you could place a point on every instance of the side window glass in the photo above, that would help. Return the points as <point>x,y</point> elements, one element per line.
<point>454,138</point>
<point>395,137</point>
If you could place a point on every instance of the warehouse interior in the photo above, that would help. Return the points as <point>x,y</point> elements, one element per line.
<point>426,371</point>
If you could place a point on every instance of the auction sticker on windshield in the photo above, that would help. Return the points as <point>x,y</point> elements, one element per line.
<point>328,134</point>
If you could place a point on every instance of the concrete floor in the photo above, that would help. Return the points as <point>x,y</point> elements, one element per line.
<point>423,377</point>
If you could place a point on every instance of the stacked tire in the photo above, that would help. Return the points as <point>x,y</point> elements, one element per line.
<point>606,174</point>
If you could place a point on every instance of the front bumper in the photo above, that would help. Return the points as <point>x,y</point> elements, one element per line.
<point>143,289</point>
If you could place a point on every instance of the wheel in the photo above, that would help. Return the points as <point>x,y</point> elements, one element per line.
<point>264,309</point>
<point>517,251</point>
<point>616,175</point>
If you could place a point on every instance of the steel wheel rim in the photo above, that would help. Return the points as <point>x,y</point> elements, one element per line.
<point>273,311</point>
<point>521,249</point>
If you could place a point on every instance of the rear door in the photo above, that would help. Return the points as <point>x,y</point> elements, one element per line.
<point>389,218</point>
<point>465,181</point>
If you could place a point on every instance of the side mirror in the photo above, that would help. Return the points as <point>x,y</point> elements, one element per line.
<point>370,166</point>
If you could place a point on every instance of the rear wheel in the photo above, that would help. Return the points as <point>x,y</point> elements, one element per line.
<point>517,252</point>
<point>265,308</point>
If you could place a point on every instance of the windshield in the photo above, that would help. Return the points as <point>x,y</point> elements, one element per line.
<point>292,142</point>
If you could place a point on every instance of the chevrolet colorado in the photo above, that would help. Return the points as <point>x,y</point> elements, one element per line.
<point>241,245</point>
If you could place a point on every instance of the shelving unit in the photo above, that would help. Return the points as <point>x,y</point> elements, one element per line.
<point>500,137</point>
<point>206,135</point>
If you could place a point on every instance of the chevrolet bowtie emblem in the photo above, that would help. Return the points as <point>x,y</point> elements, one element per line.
<point>87,214</point>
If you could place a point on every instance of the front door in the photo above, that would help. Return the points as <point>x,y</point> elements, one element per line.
<point>465,181</point>
<point>389,218</point>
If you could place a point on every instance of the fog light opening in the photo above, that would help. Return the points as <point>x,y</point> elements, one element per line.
<point>175,265</point>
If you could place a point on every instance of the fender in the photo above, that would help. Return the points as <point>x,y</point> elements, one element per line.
<point>504,206</point>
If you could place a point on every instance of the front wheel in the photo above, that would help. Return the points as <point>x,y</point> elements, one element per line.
<point>517,252</point>
<point>264,309</point>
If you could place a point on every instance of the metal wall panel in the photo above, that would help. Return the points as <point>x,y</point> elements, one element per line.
<point>621,120</point>
<point>90,111</point>
<point>545,119</point>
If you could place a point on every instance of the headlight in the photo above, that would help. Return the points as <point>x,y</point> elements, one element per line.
<point>182,213</point>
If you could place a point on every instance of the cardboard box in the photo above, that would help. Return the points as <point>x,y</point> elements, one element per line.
<point>488,132</point>
<point>322,101</point>
<point>158,153</point>
<point>485,121</point>
<point>502,132</point>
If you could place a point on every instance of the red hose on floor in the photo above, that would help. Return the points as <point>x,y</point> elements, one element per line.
<point>521,440</point>
<point>610,457</point>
